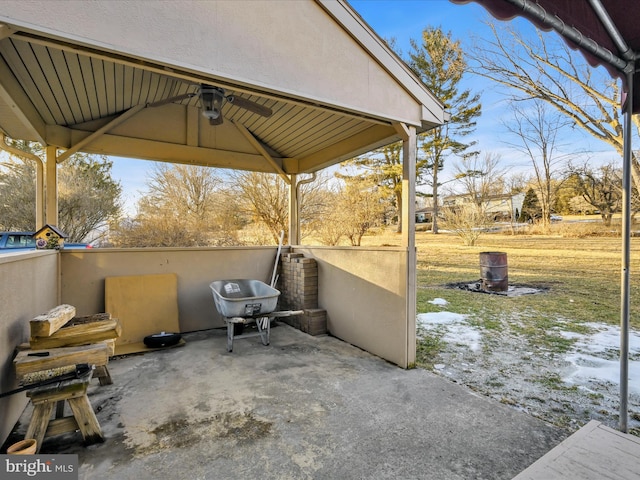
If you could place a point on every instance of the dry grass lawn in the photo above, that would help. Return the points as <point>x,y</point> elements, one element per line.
<point>582,274</point>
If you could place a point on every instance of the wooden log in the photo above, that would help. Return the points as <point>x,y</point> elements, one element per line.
<point>96,317</point>
<point>82,333</point>
<point>48,323</point>
<point>95,354</point>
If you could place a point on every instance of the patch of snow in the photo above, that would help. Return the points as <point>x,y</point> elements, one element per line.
<point>458,331</point>
<point>463,335</point>
<point>595,358</point>
<point>511,368</point>
<point>440,318</point>
<point>439,301</point>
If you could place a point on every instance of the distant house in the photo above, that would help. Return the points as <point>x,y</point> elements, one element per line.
<point>424,215</point>
<point>424,209</point>
<point>500,207</point>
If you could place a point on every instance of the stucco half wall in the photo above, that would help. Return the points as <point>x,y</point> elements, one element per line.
<point>364,291</point>
<point>28,288</point>
<point>84,273</point>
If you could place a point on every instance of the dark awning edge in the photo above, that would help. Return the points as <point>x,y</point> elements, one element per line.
<point>596,28</point>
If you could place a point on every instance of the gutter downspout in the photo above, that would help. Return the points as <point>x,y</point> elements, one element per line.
<point>294,237</point>
<point>39,177</point>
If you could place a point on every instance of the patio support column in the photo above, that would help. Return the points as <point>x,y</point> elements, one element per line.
<point>409,146</point>
<point>40,221</point>
<point>52,186</point>
<point>626,255</point>
<point>294,222</point>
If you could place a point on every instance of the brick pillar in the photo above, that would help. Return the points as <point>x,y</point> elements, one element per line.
<point>298,285</point>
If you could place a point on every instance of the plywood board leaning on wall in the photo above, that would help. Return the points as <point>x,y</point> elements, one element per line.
<point>145,304</point>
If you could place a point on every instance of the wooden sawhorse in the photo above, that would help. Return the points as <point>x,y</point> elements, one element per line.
<point>73,391</point>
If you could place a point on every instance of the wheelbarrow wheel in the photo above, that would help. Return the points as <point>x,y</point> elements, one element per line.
<point>162,339</point>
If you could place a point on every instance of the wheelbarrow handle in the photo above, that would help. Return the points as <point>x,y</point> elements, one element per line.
<point>285,313</point>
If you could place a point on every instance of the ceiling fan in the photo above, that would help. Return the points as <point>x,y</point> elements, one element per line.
<point>212,99</point>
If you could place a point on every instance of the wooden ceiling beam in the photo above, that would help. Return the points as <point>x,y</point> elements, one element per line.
<point>260,148</point>
<point>15,97</point>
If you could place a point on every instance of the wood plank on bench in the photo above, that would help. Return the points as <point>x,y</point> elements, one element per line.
<point>95,354</point>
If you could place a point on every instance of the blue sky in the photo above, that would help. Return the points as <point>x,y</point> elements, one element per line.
<point>405,20</point>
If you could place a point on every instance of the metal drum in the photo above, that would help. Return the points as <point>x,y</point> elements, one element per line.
<point>494,272</point>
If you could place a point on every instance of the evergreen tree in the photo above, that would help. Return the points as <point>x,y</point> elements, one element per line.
<point>531,209</point>
<point>88,197</point>
<point>439,62</point>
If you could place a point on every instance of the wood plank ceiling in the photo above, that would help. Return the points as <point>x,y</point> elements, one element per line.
<point>81,89</point>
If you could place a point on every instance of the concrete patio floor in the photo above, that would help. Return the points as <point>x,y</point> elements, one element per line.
<point>302,407</point>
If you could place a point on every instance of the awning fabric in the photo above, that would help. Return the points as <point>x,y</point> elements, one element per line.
<point>606,32</point>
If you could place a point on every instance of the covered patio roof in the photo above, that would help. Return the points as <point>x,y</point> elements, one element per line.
<point>74,77</point>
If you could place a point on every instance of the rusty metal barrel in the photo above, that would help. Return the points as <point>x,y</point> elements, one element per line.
<point>494,272</point>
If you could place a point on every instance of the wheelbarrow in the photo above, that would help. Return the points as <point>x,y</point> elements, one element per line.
<point>242,301</point>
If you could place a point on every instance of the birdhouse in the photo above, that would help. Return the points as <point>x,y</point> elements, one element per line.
<point>50,237</point>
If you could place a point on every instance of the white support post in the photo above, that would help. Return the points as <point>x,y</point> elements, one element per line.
<point>409,152</point>
<point>40,218</point>
<point>52,186</point>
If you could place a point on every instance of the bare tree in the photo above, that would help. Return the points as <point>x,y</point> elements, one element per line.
<point>362,207</point>
<point>479,179</point>
<point>356,207</point>
<point>185,206</point>
<point>467,220</point>
<point>187,190</point>
<point>600,188</point>
<point>330,230</point>
<point>538,130</point>
<point>544,68</point>
<point>264,197</point>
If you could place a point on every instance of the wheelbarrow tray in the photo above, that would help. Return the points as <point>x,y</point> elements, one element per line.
<point>243,298</point>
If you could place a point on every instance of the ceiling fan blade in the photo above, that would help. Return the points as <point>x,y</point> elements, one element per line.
<point>249,105</point>
<point>177,98</point>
